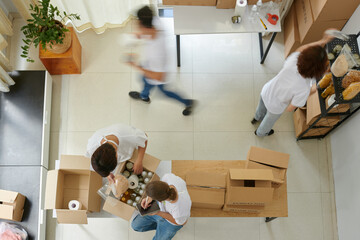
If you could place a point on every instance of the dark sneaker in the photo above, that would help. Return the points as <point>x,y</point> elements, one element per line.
<point>269,133</point>
<point>136,95</point>
<point>188,110</point>
<point>253,121</point>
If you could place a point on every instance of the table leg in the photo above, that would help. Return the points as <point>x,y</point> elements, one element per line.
<point>262,54</point>
<point>178,50</point>
<point>269,219</point>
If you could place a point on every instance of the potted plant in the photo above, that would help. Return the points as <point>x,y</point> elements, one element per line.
<point>44,29</point>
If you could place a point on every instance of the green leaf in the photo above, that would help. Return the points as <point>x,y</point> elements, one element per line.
<point>23,55</point>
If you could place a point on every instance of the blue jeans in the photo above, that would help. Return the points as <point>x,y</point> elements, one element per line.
<point>267,119</point>
<point>164,229</point>
<point>147,87</point>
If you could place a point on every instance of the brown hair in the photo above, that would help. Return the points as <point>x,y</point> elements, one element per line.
<point>160,191</point>
<point>312,62</point>
<point>104,159</point>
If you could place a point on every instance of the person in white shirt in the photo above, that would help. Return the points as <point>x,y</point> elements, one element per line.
<point>291,87</point>
<point>114,144</point>
<point>155,61</point>
<point>175,204</point>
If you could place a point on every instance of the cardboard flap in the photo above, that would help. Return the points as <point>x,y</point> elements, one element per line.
<point>71,216</point>
<point>206,196</point>
<point>251,174</point>
<point>8,196</point>
<point>149,162</point>
<point>50,190</point>
<point>118,208</point>
<point>313,107</point>
<point>250,195</point>
<point>269,157</point>
<point>94,200</point>
<point>6,211</point>
<point>74,162</point>
<point>206,179</point>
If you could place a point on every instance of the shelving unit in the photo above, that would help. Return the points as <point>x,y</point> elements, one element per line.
<point>340,108</point>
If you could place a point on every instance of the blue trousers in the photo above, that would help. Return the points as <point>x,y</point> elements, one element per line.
<point>164,229</point>
<point>147,87</point>
<point>267,119</point>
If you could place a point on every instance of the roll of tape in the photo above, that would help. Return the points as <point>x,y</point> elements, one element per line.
<point>240,7</point>
<point>133,181</point>
<point>75,205</point>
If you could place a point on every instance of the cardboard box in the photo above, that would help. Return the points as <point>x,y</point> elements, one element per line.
<point>318,28</point>
<point>317,132</point>
<point>304,17</point>
<point>249,187</point>
<point>206,189</point>
<point>328,10</point>
<point>291,32</point>
<point>301,126</point>
<point>252,2</point>
<point>328,121</point>
<point>73,181</point>
<point>299,117</point>
<point>225,4</point>
<point>243,208</point>
<point>261,158</point>
<point>11,205</point>
<point>313,109</point>
<point>190,2</point>
<point>340,108</point>
<point>123,210</point>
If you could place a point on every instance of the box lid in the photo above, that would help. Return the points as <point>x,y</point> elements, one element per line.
<point>74,162</point>
<point>8,196</point>
<point>206,195</point>
<point>71,216</point>
<point>206,179</point>
<point>118,208</point>
<point>51,189</point>
<point>313,108</point>
<point>269,157</point>
<point>149,162</point>
<point>251,174</point>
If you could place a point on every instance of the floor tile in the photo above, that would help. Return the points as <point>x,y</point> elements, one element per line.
<point>57,147</point>
<point>187,232</point>
<point>76,142</point>
<point>327,215</point>
<point>59,104</point>
<point>304,221</point>
<point>324,167</point>
<point>222,145</point>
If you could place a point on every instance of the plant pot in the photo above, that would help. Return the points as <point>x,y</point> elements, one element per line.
<point>60,48</point>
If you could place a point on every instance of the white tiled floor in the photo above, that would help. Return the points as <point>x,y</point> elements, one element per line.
<point>223,73</point>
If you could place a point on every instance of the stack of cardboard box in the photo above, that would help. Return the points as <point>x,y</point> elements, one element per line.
<point>313,18</point>
<point>11,205</point>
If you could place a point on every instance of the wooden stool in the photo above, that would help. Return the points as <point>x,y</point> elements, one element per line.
<point>68,62</point>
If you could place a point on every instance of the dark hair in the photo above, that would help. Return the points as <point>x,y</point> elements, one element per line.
<point>312,62</point>
<point>145,15</point>
<point>104,159</point>
<point>160,191</point>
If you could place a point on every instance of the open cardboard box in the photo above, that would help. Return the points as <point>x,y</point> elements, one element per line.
<point>249,187</point>
<point>206,189</point>
<point>261,158</point>
<point>123,210</point>
<point>73,181</point>
<point>11,205</point>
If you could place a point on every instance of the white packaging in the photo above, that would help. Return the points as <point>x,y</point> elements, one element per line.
<point>75,205</point>
<point>240,7</point>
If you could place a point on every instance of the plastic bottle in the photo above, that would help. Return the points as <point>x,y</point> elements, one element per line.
<point>144,174</point>
<point>130,166</point>
<point>146,180</point>
<point>253,14</point>
<point>150,174</point>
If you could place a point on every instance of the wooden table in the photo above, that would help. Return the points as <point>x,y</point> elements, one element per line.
<point>68,62</point>
<point>277,208</point>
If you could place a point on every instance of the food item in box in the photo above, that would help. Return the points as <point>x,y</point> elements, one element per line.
<point>126,173</point>
<point>351,91</point>
<point>340,66</point>
<point>129,166</point>
<point>328,91</point>
<point>325,81</point>
<point>331,56</point>
<point>337,49</point>
<point>352,76</point>
<point>120,186</point>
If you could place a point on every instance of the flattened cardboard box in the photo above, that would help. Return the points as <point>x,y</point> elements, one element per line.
<point>73,181</point>
<point>249,187</point>
<point>123,210</point>
<point>206,189</point>
<point>11,205</point>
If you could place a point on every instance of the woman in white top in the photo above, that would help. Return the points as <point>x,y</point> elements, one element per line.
<point>174,201</point>
<point>114,144</point>
<point>291,87</point>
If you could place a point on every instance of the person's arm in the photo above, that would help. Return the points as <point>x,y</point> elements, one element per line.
<point>167,216</point>
<point>159,76</point>
<point>325,39</point>
<point>138,165</point>
<point>290,108</point>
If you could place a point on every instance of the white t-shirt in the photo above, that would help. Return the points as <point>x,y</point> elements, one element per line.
<point>155,55</point>
<point>180,210</point>
<point>130,138</point>
<point>286,87</point>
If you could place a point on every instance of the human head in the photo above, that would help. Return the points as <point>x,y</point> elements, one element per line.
<point>145,16</point>
<point>160,191</point>
<point>312,62</point>
<point>104,159</point>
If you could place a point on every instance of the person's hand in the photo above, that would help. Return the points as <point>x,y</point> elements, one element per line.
<point>111,178</point>
<point>327,38</point>
<point>138,167</point>
<point>146,202</point>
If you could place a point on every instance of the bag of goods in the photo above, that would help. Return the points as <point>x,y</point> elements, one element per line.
<point>325,81</point>
<point>340,66</point>
<point>350,58</point>
<point>328,91</point>
<point>11,231</point>
<point>351,91</point>
<point>352,76</point>
<point>120,186</point>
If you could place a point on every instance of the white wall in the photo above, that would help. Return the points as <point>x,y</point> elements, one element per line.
<point>345,147</point>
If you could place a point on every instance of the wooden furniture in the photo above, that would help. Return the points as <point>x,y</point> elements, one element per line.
<point>277,208</point>
<point>68,62</point>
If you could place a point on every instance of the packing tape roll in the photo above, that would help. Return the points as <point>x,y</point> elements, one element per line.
<point>240,7</point>
<point>75,205</point>
<point>133,181</point>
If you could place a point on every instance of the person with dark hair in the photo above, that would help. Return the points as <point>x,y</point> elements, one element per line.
<point>291,87</point>
<point>154,65</point>
<point>174,201</point>
<point>114,144</point>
